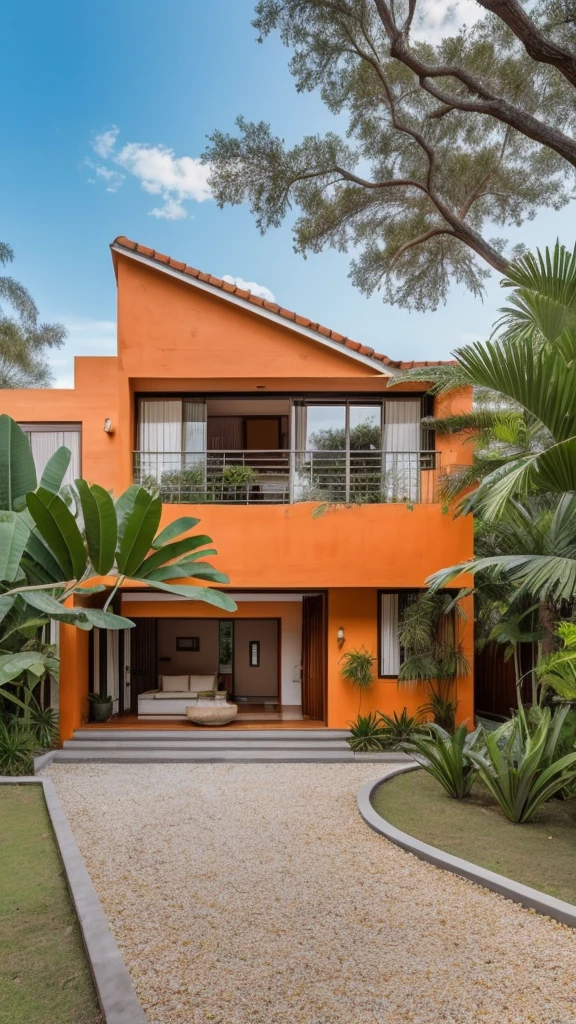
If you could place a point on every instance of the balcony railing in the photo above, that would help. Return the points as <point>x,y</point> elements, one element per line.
<point>284,477</point>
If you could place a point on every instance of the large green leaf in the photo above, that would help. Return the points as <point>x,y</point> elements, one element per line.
<point>39,562</point>
<point>100,525</point>
<point>107,620</point>
<point>188,570</point>
<point>58,528</point>
<point>12,665</point>
<point>138,521</point>
<point>13,538</point>
<point>174,530</point>
<point>170,551</point>
<point>17,472</point>
<point>215,597</point>
<point>55,470</point>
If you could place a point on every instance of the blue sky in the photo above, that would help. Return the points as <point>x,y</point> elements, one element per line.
<point>148,77</point>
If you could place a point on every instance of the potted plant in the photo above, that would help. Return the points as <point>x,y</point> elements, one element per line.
<point>102,705</point>
<point>358,668</point>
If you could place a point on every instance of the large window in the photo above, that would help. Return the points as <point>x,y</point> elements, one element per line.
<point>46,438</point>
<point>391,655</point>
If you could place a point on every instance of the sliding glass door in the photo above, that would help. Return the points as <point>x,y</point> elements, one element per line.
<point>171,436</point>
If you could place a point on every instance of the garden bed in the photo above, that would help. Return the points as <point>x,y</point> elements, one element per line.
<point>540,854</point>
<point>44,974</point>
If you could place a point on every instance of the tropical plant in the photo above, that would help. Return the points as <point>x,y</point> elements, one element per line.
<point>432,652</point>
<point>18,747</point>
<point>54,543</point>
<point>519,766</point>
<point>447,757</point>
<point>358,669</point>
<point>367,734</point>
<point>23,339</point>
<point>399,729</point>
<point>442,139</point>
<point>512,631</point>
<point>558,670</point>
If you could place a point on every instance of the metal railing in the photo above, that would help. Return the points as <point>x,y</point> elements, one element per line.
<point>283,477</point>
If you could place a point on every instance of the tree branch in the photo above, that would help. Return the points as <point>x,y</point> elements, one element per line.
<point>535,42</point>
<point>419,241</point>
<point>488,103</point>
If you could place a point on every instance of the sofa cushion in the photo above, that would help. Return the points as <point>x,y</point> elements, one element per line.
<point>173,695</point>
<point>173,684</point>
<point>203,683</point>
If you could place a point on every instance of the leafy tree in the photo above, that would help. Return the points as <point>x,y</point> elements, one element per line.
<point>441,140</point>
<point>23,339</point>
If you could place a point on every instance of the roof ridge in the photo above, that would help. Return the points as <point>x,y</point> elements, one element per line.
<point>273,307</point>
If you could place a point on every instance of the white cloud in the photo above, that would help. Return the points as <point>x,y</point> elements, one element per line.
<point>177,179</point>
<point>250,286</point>
<point>172,209</point>
<point>440,18</point>
<point>104,143</point>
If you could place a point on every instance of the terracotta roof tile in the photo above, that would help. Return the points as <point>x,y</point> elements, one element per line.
<point>216,282</point>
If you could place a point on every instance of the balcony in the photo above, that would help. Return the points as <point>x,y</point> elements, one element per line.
<point>281,477</point>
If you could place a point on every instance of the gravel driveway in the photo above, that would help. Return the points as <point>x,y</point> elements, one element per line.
<point>255,894</point>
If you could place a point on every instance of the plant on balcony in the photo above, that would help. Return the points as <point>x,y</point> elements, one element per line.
<point>358,669</point>
<point>235,482</point>
<point>432,653</point>
<point>54,541</point>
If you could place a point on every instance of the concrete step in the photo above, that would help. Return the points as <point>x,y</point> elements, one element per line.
<point>245,736</point>
<point>150,755</point>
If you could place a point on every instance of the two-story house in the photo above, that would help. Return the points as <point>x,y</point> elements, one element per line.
<point>253,418</point>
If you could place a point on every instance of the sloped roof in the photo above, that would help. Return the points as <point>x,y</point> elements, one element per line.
<point>161,261</point>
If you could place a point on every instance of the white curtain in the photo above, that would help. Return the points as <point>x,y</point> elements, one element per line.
<point>389,643</point>
<point>194,431</point>
<point>299,430</point>
<point>402,433</point>
<point>44,443</point>
<point>111,638</point>
<point>160,436</point>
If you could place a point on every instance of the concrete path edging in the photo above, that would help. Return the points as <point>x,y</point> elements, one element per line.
<point>114,989</point>
<point>530,898</point>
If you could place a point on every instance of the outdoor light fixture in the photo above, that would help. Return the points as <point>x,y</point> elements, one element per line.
<point>108,428</point>
<point>340,636</point>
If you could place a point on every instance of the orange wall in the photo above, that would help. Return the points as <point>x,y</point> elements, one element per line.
<point>356,611</point>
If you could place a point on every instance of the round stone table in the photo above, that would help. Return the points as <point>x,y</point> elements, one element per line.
<point>211,712</point>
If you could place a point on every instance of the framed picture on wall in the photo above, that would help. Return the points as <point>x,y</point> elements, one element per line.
<point>187,643</point>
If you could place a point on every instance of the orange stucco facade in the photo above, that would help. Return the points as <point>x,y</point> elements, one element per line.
<point>175,337</point>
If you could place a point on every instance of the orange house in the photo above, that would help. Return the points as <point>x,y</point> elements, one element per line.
<point>252,418</point>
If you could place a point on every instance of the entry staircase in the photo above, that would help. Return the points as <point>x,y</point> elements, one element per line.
<point>132,746</point>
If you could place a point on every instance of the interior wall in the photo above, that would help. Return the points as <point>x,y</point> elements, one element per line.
<point>261,680</point>
<point>202,662</point>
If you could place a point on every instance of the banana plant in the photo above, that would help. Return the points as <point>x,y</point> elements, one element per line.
<point>55,540</point>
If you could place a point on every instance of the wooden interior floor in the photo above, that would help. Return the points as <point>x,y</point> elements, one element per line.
<point>249,717</point>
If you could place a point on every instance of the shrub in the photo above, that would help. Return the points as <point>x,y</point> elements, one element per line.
<point>399,729</point>
<point>447,758</point>
<point>18,746</point>
<point>521,768</point>
<point>367,734</point>
<point>442,707</point>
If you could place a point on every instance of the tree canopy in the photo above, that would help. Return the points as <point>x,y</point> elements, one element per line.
<point>443,141</point>
<point>23,338</point>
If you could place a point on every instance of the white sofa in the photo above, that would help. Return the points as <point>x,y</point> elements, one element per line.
<point>174,695</point>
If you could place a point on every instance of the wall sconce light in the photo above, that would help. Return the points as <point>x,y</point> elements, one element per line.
<point>340,636</point>
<point>108,428</point>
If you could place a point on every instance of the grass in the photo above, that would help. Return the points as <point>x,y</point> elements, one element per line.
<point>44,975</point>
<point>541,853</point>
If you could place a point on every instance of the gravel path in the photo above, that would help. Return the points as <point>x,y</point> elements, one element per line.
<point>255,894</point>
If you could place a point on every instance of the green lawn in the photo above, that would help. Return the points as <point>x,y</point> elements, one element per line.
<point>541,853</point>
<point>44,976</point>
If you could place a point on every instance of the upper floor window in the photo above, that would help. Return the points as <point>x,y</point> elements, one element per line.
<point>46,438</point>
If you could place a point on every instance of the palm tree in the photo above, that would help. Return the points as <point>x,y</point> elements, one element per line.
<point>23,339</point>
<point>526,376</point>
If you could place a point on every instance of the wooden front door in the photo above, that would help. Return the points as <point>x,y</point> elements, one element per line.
<point>143,660</point>
<point>314,656</point>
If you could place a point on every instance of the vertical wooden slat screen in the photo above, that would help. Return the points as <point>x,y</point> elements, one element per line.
<point>143,660</point>
<point>313,656</point>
